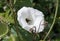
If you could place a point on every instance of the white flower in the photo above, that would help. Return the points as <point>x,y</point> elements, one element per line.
<point>30,18</point>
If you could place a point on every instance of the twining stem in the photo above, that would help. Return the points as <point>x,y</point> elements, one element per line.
<point>52,22</point>
<point>15,18</point>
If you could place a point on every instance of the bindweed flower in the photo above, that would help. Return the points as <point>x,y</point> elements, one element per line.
<point>31,19</point>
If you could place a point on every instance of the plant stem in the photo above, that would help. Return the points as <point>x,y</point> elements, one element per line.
<point>34,36</point>
<point>53,21</point>
<point>15,18</point>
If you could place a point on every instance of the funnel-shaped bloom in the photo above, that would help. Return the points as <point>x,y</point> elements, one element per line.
<point>30,18</point>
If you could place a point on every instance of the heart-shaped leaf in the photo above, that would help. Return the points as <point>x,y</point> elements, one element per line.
<point>3,29</point>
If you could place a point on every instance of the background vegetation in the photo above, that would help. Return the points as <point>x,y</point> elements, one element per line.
<point>10,30</point>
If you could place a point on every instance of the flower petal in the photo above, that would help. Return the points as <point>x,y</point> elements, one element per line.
<point>35,16</point>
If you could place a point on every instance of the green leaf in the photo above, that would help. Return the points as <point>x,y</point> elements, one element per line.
<point>3,29</point>
<point>9,38</point>
<point>25,36</point>
<point>6,16</point>
<point>20,3</point>
<point>31,1</point>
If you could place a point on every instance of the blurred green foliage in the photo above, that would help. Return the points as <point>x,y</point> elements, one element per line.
<point>46,6</point>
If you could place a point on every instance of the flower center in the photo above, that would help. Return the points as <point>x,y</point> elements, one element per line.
<point>29,21</point>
